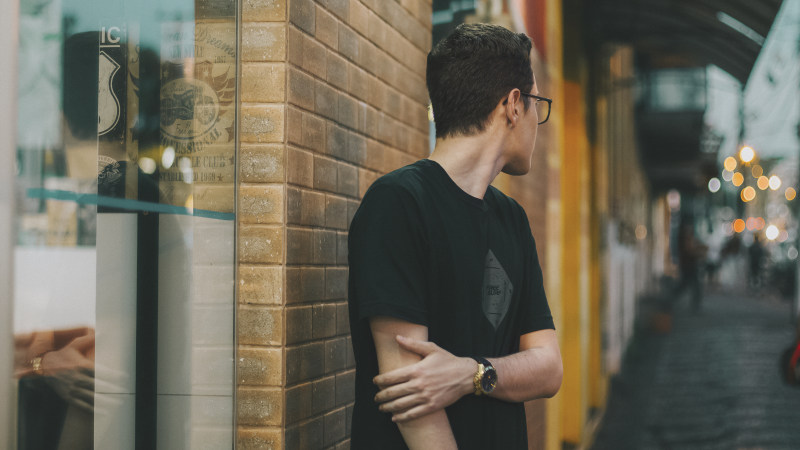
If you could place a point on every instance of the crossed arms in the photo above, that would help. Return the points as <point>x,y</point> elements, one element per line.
<point>418,379</point>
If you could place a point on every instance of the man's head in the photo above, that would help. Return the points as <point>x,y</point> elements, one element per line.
<point>473,69</point>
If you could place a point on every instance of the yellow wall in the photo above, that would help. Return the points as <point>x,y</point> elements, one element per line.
<point>574,331</point>
<point>554,217</point>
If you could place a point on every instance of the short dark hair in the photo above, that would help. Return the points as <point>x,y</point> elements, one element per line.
<point>470,70</point>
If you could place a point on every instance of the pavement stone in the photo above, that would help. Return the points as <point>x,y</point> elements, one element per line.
<point>712,383</point>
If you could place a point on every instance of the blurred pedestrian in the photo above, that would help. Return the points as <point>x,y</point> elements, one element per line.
<point>756,254</point>
<point>691,254</point>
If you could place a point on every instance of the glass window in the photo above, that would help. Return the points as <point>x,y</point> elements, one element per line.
<point>125,190</point>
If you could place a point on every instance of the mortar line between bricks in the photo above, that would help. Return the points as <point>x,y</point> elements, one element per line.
<point>339,91</point>
<point>387,84</point>
<point>413,17</point>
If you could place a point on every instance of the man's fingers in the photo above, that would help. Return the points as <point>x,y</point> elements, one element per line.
<point>413,413</point>
<point>80,404</point>
<point>396,376</point>
<point>422,348</point>
<point>83,343</point>
<point>83,380</point>
<point>401,404</point>
<point>393,392</point>
<point>83,395</point>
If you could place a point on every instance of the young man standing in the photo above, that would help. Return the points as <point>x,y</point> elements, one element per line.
<point>450,324</point>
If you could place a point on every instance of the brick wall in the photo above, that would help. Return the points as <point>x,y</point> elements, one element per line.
<point>332,96</point>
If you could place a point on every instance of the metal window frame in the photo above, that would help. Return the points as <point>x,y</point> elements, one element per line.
<point>9,44</point>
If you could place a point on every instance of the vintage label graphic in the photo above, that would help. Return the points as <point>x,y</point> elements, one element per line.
<point>197,106</point>
<point>189,110</point>
<point>198,86</point>
<point>112,90</point>
<point>108,105</point>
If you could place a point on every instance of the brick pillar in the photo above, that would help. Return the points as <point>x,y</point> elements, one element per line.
<point>332,96</point>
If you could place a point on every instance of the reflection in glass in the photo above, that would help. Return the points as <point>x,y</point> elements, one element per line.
<point>124,260</point>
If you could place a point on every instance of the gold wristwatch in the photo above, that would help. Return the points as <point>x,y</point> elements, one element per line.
<point>485,378</point>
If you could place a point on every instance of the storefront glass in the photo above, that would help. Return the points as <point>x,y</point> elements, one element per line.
<point>124,261</point>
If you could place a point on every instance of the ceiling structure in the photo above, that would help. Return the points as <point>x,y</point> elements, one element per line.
<point>680,33</point>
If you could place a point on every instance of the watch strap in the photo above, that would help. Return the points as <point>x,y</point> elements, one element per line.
<point>483,361</point>
<point>477,379</point>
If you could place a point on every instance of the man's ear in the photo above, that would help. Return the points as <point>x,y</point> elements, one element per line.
<point>512,107</point>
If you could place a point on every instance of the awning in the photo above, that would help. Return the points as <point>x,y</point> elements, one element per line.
<point>686,33</point>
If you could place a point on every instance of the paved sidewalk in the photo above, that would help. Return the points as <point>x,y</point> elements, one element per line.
<point>712,383</point>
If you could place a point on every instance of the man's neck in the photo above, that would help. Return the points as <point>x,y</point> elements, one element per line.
<point>472,162</point>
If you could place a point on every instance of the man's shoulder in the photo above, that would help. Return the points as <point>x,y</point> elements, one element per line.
<point>403,181</point>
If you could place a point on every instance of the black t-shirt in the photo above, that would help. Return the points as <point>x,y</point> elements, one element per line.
<point>423,250</point>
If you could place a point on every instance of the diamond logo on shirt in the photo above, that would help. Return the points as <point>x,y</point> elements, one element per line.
<point>497,290</point>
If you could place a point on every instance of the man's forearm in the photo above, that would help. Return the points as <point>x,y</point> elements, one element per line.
<point>424,387</point>
<point>428,431</point>
<point>527,375</point>
<point>431,431</point>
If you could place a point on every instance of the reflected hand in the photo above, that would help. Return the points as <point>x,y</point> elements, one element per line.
<point>75,386</point>
<point>71,356</point>
<point>434,383</point>
<point>70,373</point>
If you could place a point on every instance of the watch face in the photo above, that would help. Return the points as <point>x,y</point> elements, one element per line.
<point>489,380</point>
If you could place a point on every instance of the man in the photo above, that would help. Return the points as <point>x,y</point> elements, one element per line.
<point>446,294</point>
<point>691,252</point>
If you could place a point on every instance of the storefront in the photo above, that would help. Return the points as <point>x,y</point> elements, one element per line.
<point>122,211</point>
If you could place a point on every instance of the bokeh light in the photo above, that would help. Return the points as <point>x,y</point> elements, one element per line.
<point>790,193</point>
<point>168,157</point>
<point>674,199</point>
<point>772,232</point>
<point>774,182</point>
<point>751,223</point>
<point>757,171</point>
<point>746,154</point>
<point>738,225</point>
<point>728,228</point>
<point>738,179</point>
<point>748,194</point>
<point>641,232</point>
<point>763,182</point>
<point>727,175</point>
<point>714,184</point>
<point>729,164</point>
<point>148,165</point>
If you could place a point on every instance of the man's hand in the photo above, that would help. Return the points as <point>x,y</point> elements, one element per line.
<point>70,357</point>
<point>432,384</point>
<point>70,373</point>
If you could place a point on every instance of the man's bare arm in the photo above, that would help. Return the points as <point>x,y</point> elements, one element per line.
<point>426,386</point>
<point>430,430</point>
<point>534,372</point>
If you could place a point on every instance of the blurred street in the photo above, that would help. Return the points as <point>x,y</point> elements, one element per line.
<point>710,383</point>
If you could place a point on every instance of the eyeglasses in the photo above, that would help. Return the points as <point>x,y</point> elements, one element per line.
<point>539,104</point>
<point>541,109</point>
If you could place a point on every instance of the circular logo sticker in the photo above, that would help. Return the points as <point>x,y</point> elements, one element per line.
<point>189,108</point>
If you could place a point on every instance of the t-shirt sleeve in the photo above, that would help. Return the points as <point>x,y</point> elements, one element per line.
<point>386,251</point>
<point>535,311</point>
